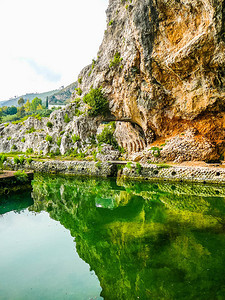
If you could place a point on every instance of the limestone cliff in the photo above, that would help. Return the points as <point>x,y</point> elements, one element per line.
<point>161,64</point>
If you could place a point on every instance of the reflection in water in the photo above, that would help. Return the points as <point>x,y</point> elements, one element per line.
<point>146,241</point>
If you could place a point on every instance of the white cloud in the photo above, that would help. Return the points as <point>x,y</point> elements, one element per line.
<point>45,43</point>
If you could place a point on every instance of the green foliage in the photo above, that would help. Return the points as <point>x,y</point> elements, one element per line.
<point>80,80</point>
<point>1,115</point>
<point>62,132</point>
<point>58,142</point>
<point>107,135</point>
<point>22,159</point>
<point>9,138</point>
<point>56,153</point>
<point>11,110</point>
<point>6,125</point>
<point>111,22</point>
<point>49,124</point>
<point>29,151</point>
<point>78,112</point>
<point>79,91</point>
<point>138,168</point>
<point>93,64</point>
<point>129,165</point>
<point>116,60</point>
<point>29,160</point>
<point>156,151</point>
<point>16,160</point>
<point>97,102</point>
<point>13,147</point>
<point>23,140</point>
<point>20,112</point>
<point>3,158</point>
<point>48,138</point>
<point>36,102</point>
<point>98,164</point>
<point>21,101</point>
<point>66,118</point>
<point>31,130</point>
<point>21,176</point>
<point>75,138</point>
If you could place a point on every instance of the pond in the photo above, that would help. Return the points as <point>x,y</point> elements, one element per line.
<point>88,238</point>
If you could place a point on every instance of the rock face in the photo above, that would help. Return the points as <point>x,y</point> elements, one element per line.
<point>161,64</point>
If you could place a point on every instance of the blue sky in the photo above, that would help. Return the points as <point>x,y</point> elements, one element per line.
<point>45,43</point>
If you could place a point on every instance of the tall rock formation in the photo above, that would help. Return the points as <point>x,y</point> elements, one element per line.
<point>161,65</point>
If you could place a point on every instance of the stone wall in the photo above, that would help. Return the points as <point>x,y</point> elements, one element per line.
<point>132,171</point>
<point>85,168</point>
<point>175,173</point>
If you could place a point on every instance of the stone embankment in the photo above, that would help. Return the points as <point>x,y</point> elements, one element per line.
<point>175,173</point>
<point>130,170</point>
<point>11,182</point>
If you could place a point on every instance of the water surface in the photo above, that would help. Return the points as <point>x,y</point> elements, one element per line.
<point>82,238</point>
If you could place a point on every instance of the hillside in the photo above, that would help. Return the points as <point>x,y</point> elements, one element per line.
<point>30,97</point>
<point>58,96</point>
<point>63,95</point>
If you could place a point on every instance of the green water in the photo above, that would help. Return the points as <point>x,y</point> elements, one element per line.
<point>82,238</point>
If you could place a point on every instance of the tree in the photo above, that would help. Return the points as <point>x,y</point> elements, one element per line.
<point>11,110</point>
<point>21,112</point>
<point>39,107</point>
<point>46,102</point>
<point>35,102</point>
<point>1,114</point>
<point>97,102</point>
<point>21,101</point>
<point>27,106</point>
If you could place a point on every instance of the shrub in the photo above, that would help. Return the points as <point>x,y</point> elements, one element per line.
<point>62,132</point>
<point>80,80</point>
<point>78,112</point>
<point>13,147</point>
<point>75,138</point>
<point>29,160</point>
<point>116,60</point>
<point>9,138</point>
<point>138,168</point>
<point>23,140</point>
<point>156,151</point>
<point>129,165</point>
<point>98,164</point>
<point>29,151</point>
<point>107,135</point>
<point>58,142</point>
<point>93,64</point>
<point>21,176</point>
<point>31,130</point>
<point>97,101</point>
<point>66,118</point>
<point>79,91</point>
<point>3,158</point>
<point>49,124</point>
<point>111,22</point>
<point>22,159</point>
<point>48,138</point>
<point>16,160</point>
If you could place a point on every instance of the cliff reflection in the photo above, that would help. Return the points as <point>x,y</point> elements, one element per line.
<point>146,241</point>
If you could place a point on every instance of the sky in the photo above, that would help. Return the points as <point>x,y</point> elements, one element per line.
<point>45,43</point>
